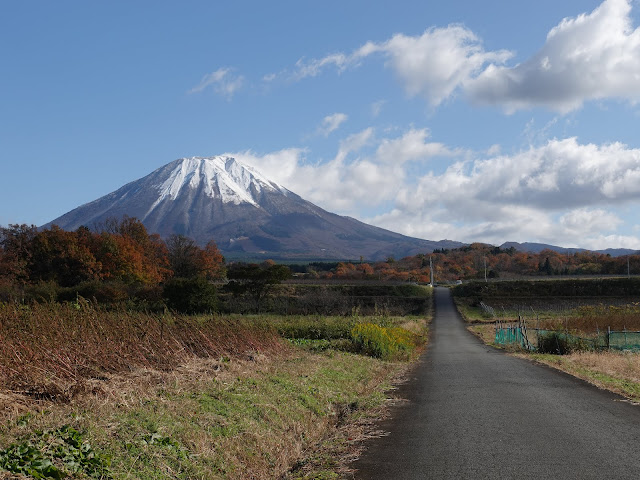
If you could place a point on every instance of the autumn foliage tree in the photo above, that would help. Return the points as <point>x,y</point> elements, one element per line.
<point>470,262</point>
<point>60,256</point>
<point>121,254</point>
<point>190,290</point>
<point>187,260</point>
<point>16,241</point>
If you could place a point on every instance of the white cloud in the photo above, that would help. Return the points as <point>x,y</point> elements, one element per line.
<point>517,197</point>
<point>352,179</point>
<point>376,108</point>
<point>589,221</point>
<point>563,192</point>
<point>536,136</point>
<point>411,146</point>
<point>592,56</point>
<point>432,65</point>
<point>512,224</point>
<point>560,174</point>
<point>331,123</point>
<point>354,143</point>
<point>436,222</point>
<point>601,242</point>
<point>340,61</point>
<point>222,81</point>
<point>589,57</point>
<point>494,149</point>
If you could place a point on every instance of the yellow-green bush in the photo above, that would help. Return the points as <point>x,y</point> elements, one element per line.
<point>387,343</point>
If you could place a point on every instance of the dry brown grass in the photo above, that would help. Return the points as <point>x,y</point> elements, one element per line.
<point>414,325</point>
<point>615,364</point>
<point>618,318</point>
<point>53,352</point>
<point>12,476</point>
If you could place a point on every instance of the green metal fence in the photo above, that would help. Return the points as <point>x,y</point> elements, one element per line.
<point>623,340</point>
<point>511,335</point>
<point>539,339</point>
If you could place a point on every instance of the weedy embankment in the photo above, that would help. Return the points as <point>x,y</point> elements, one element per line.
<point>88,393</point>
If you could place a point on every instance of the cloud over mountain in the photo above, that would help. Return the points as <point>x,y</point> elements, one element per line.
<point>561,192</point>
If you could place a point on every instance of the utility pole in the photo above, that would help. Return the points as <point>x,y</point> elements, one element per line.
<point>628,267</point>
<point>431,270</point>
<point>485,269</point>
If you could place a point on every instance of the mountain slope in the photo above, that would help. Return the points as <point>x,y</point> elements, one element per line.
<point>244,212</point>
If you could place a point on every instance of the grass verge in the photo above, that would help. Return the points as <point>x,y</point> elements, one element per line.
<point>486,333</point>
<point>470,313</point>
<point>614,371</point>
<point>117,395</point>
<point>226,419</point>
<point>618,372</point>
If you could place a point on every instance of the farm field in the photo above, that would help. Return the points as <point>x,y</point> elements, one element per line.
<point>92,393</point>
<point>599,331</point>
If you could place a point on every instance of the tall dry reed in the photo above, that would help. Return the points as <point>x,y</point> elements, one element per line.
<point>48,350</point>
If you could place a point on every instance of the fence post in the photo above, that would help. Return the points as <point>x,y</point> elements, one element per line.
<point>609,337</point>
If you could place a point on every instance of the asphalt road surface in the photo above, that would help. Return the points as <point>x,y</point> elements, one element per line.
<point>475,412</point>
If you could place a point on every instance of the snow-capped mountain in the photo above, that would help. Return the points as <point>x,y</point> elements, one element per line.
<point>221,199</point>
<point>219,177</point>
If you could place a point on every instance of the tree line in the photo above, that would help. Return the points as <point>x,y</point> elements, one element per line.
<point>476,260</point>
<point>120,262</point>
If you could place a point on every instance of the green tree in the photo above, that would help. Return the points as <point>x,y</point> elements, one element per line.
<point>256,280</point>
<point>190,295</point>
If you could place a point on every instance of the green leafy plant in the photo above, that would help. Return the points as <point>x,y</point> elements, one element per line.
<point>54,454</point>
<point>560,343</point>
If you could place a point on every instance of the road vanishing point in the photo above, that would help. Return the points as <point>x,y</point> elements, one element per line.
<point>472,411</point>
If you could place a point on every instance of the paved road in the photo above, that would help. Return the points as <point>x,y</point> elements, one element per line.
<point>474,412</point>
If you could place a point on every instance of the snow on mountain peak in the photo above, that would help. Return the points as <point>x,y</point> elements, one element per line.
<point>219,177</point>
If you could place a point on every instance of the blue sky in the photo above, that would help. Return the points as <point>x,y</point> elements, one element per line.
<point>474,121</point>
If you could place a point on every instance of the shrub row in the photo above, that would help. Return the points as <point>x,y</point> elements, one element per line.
<point>196,295</point>
<point>607,287</point>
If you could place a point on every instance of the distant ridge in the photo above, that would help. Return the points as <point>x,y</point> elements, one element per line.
<point>221,199</point>
<point>538,247</point>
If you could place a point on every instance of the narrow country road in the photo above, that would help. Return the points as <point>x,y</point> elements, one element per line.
<point>475,412</point>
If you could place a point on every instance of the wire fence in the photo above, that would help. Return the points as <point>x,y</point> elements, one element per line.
<point>554,341</point>
<point>518,332</point>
